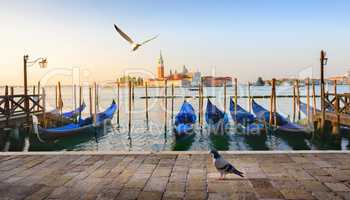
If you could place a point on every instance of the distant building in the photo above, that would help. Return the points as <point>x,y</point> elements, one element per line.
<point>185,78</point>
<point>182,79</point>
<point>212,81</point>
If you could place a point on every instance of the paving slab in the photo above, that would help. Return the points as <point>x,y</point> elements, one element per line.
<point>174,175</point>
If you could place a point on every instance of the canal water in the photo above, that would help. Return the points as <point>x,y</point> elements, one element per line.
<point>156,138</point>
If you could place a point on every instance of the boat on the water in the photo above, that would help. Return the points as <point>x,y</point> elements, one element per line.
<point>69,114</point>
<point>216,119</point>
<point>75,113</point>
<point>83,125</point>
<point>185,120</point>
<point>247,121</point>
<point>283,124</point>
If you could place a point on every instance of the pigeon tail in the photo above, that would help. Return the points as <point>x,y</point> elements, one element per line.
<point>235,171</point>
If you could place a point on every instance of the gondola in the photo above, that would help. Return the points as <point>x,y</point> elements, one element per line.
<point>83,125</point>
<point>69,114</point>
<point>216,119</point>
<point>75,113</point>
<point>247,121</point>
<point>283,124</point>
<point>185,120</point>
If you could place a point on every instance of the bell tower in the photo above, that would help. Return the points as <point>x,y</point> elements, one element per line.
<point>160,67</point>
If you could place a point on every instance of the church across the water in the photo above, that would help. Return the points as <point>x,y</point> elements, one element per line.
<point>184,78</point>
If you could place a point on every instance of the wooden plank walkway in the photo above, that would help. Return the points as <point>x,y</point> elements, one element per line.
<point>174,176</point>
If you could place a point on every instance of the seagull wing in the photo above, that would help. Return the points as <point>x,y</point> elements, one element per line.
<point>124,35</point>
<point>149,40</point>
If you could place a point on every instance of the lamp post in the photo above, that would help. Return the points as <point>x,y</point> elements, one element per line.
<point>26,63</point>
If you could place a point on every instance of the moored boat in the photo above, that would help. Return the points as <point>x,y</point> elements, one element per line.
<point>216,119</point>
<point>283,124</point>
<point>72,129</point>
<point>185,120</point>
<point>247,121</point>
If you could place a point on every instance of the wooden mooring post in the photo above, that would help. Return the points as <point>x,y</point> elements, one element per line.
<point>75,97</point>
<point>336,124</point>
<point>323,62</point>
<point>313,98</point>
<point>165,105</point>
<point>249,98</point>
<point>294,102</point>
<point>308,99</point>
<point>146,102</point>
<point>60,100</point>
<point>90,100</point>
<point>44,108</point>
<point>129,105</point>
<point>118,103</point>
<point>236,94</point>
<point>7,104</point>
<point>172,103</point>
<point>95,102</point>
<point>80,98</point>
<point>12,93</point>
<point>298,99</point>
<point>272,119</point>
<point>225,94</point>
<point>199,104</point>
<point>39,89</point>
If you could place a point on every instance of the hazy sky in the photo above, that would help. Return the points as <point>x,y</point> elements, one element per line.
<point>238,38</point>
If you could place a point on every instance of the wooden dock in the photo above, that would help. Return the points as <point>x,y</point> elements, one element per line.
<point>15,109</point>
<point>173,175</point>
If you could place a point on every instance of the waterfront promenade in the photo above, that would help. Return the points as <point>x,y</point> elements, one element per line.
<point>173,175</point>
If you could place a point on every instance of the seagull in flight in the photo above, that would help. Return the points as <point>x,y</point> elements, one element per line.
<point>223,166</point>
<point>134,45</point>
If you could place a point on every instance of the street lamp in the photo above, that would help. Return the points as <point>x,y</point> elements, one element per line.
<point>27,63</point>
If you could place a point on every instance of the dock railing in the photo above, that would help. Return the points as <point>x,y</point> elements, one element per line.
<point>13,106</point>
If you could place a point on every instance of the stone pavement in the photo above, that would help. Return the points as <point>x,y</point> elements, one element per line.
<point>174,176</point>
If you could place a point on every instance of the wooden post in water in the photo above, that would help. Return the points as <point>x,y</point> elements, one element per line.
<point>44,108</point>
<point>225,96</point>
<point>12,93</point>
<point>129,105</point>
<point>236,93</point>
<point>307,84</point>
<point>133,91</point>
<point>39,89</point>
<point>118,103</point>
<point>294,102</point>
<point>313,97</point>
<point>75,97</point>
<point>336,125</point>
<point>323,60</point>
<point>34,92</point>
<point>172,103</point>
<point>274,102</point>
<point>199,103</point>
<point>90,100</point>
<point>165,105</point>
<point>80,98</point>
<point>95,102</point>
<point>298,99</point>
<point>60,100</point>
<point>7,105</point>
<point>146,99</point>
<point>249,99</point>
